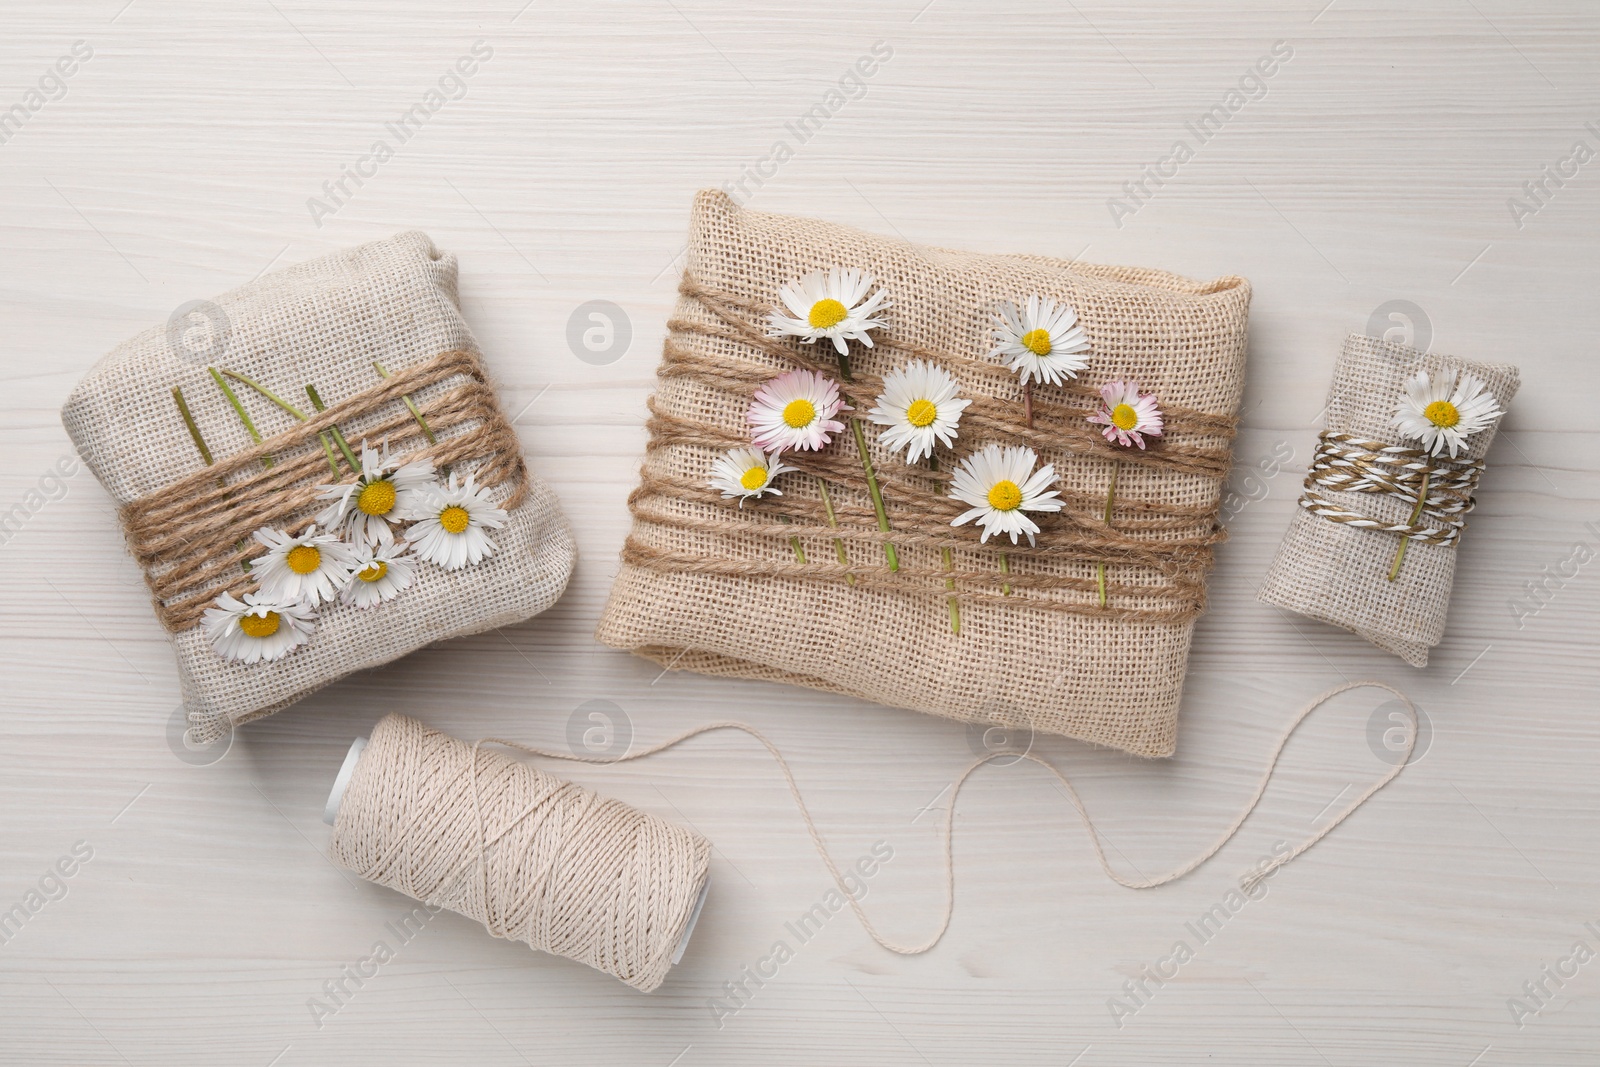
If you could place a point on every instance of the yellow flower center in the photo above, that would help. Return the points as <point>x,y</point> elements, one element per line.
<point>754,478</point>
<point>454,519</point>
<point>825,313</point>
<point>373,572</point>
<point>798,413</point>
<point>1037,342</point>
<point>377,498</point>
<point>1123,417</point>
<point>921,413</point>
<point>260,625</point>
<point>1005,496</point>
<point>303,559</point>
<point>1442,413</point>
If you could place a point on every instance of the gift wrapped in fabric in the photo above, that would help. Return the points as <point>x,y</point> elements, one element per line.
<point>1361,552</point>
<point>877,595</point>
<point>323,484</point>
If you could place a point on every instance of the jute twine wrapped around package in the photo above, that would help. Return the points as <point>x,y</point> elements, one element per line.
<point>1335,561</point>
<point>324,323</point>
<point>711,587</point>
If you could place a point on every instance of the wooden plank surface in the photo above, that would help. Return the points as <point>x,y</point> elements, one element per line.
<point>1366,184</point>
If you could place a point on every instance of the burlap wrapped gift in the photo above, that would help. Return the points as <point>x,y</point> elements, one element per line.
<point>1335,561</point>
<point>323,323</point>
<point>712,587</point>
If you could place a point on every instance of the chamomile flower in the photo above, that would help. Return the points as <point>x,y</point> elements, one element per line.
<point>310,569</point>
<point>1001,485</point>
<point>381,573</point>
<point>795,410</point>
<point>257,629</point>
<point>1442,414</point>
<point>453,520</point>
<point>1042,341</point>
<point>920,408</point>
<point>746,473</point>
<point>1127,416</point>
<point>833,304</point>
<point>383,493</point>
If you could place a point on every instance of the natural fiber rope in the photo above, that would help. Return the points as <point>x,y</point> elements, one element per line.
<point>1353,465</point>
<point>1250,880</point>
<point>187,535</point>
<point>531,857</point>
<point>916,500</point>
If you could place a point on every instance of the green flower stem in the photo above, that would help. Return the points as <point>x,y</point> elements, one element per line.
<point>794,539</point>
<point>1005,568</point>
<point>838,542</point>
<point>327,444</point>
<point>950,584</point>
<point>877,495</point>
<point>244,416</point>
<point>1111,496</point>
<point>1416,513</point>
<point>421,422</point>
<point>194,431</point>
<point>344,446</point>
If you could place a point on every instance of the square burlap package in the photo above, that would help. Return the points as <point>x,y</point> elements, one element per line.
<point>712,587</point>
<point>1338,572</point>
<point>323,323</point>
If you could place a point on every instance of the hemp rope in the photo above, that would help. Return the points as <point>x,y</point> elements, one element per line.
<point>531,857</point>
<point>916,499</point>
<point>1354,465</point>
<point>389,846</point>
<point>186,535</point>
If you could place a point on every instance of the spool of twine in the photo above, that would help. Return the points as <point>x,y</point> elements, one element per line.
<point>531,857</point>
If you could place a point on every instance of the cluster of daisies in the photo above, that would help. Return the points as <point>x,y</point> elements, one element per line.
<point>920,406</point>
<point>357,559</point>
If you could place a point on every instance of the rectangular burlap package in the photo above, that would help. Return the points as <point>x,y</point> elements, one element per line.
<point>1334,562</point>
<point>329,323</point>
<point>709,586</point>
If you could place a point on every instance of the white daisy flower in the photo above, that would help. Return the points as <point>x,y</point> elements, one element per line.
<point>382,494</point>
<point>919,406</point>
<point>1443,414</point>
<point>310,569</point>
<point>1001,485</point>
<point>1041,341</point>
<point>832,303</point>
<point>257,629</point>
<point>746,473</point>
<point>795,410</point>
<point>1126,415</point>
<point>381,573</point>
<point>453,519</point>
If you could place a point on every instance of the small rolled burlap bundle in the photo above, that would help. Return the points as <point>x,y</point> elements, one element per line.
<point>329,323</point>
<point>712,587</point>
<point>1335,561</point>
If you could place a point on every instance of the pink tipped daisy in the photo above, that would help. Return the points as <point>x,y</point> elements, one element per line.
<point>1126,415</point>
<point>795,410</point>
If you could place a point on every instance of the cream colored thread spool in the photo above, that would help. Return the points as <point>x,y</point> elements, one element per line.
<point>532,857</point>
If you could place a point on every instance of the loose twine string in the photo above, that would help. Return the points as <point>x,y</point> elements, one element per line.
<point>410,831</point>
<point>917,499</point>
<point>1351,464</point>
<point>187,536</point>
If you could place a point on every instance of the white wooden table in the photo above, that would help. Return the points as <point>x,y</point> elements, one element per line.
<point>1366,182</point>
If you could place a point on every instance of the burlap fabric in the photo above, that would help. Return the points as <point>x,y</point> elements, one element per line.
<point>323,323</point>
<point>1337,572</point>
<point>710,587</point>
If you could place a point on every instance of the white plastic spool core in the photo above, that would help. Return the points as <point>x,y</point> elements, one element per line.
<point>346,770</point>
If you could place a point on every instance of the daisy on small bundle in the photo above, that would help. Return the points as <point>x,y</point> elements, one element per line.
<point>1127,416</point>
<point>452,525</point>
<point>383,493</point>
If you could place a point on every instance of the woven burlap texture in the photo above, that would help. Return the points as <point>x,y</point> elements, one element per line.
<point>324,323</point>
<point>1338,573</point>
<point>1045,656</point>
